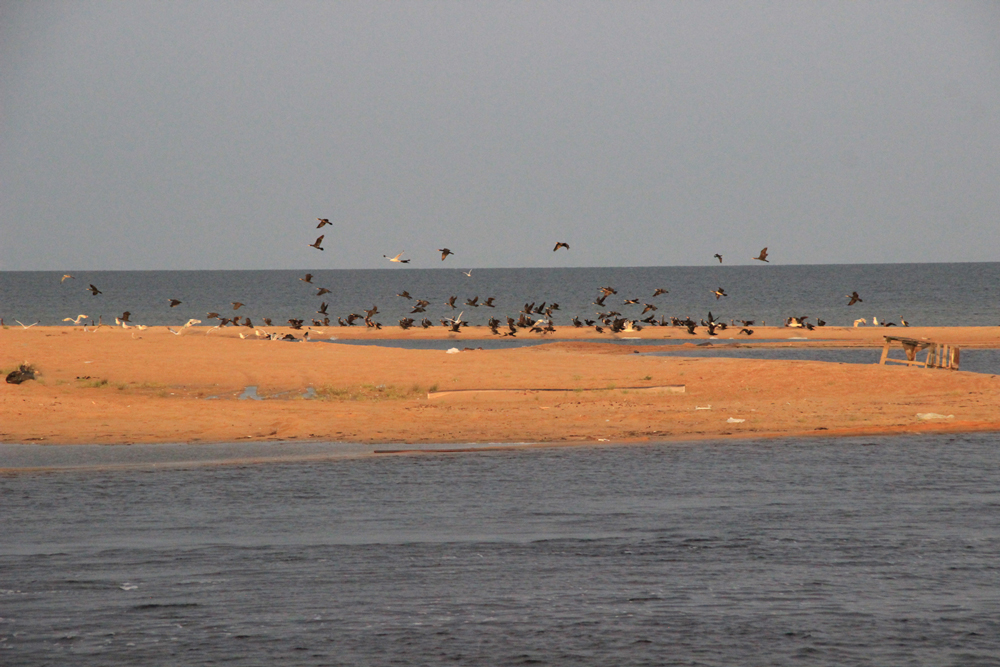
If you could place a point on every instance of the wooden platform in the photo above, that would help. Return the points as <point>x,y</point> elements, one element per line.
<point>939,355</point>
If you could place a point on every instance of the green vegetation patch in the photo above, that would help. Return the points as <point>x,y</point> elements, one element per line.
<point>370,392</point>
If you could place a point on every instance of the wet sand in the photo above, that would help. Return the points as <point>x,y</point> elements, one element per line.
<point>116,386</point>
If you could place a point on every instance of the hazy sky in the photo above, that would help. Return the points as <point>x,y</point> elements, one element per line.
<point>198,135</point>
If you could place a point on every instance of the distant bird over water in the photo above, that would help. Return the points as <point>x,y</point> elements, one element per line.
<point>174,302</point>
<point>308,278</point>
<point>397,258</point>
<point>93,290</point>
<point>719,257</point>
<point>318,243</point>
<point>65,277</point>
<point>560,244</point>
<point>444,253</point>
<point>762,257</point>
<point>718,293</point>
<point>853,296</point>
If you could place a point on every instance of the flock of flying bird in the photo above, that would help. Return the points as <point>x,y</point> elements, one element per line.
<point>607,319</point>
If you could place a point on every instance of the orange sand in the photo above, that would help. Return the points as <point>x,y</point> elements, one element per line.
<point>152,386</point>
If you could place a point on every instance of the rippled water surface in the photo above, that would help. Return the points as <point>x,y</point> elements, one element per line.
<point>821,552</point>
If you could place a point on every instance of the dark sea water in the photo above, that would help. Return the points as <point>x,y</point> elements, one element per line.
<point>881,551</point>
<point>923,294</point>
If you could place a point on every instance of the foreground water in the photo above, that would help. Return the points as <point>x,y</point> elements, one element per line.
<point>823,552</point>
<point>923,294</point>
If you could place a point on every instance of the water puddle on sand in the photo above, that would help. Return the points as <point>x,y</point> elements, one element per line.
<point>251,393</point>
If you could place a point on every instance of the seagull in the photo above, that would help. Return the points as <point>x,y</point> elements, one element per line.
<point>93,290</point>
<point>444,253</point>
<point>659,291</point>
<point>237,305</point>
<point>719,257</point>
<point>762,257</point>
<point>176,333</point>
<point>397,258</point>
<point>860,321</point>
<point>719,292</point>
<point>307,279</point>
<point>468,273</point>
<point>76,321</point>
<point>174,302</point>
<point>853,296</point>
<point>65,276</point>
<point>561,245</point>
<point>28,326</point>
<point>318,243</point>
<point>191,323</point>
<point>323,221</point>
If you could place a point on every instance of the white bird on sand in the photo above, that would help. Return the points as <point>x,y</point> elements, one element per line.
<point>26,326</point>
<point>76,321</point>
<point>860,321</point>
<point>176,333</point>
<point>874,321</point>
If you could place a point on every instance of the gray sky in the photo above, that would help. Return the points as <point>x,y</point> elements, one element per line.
<point>200,135</point>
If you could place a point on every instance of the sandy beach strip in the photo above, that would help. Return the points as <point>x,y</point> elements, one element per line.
<point>116,386</point>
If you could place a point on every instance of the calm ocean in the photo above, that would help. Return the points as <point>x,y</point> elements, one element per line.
<point>923,294</point>
<point>876,551</point>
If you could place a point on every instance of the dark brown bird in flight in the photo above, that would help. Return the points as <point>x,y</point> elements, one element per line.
<point>763,256</point>
<point>853,296</point>
<point>93,290</point>
<point>321,291</point>
<point>561,245</point>
<point>719,292</point>
<point>323,221</point>
<point>444,253</point>
<point>237,305</point>
<point>174,302</point>
<point>659,291</point>
<point>307,279</point>
<point>719,257</point>
<point>318,244</point>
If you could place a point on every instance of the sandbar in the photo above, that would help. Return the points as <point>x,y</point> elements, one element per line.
<point>114,386</point>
